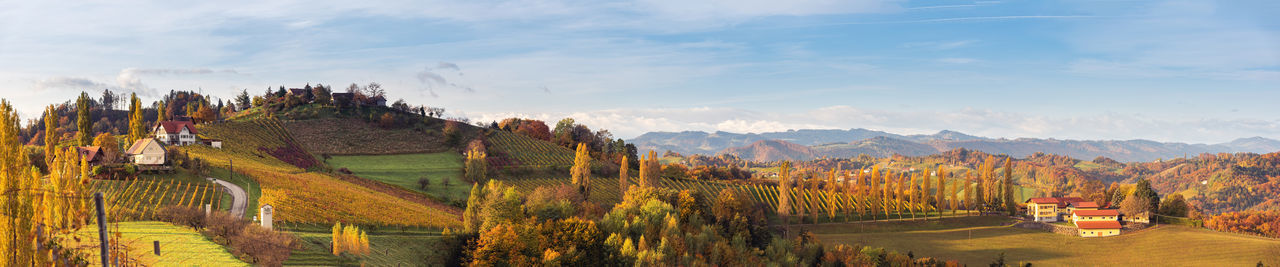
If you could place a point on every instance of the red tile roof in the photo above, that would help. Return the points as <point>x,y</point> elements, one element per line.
<point>1098,225</point>
<point>1043,200</point>
<point>1084,204</point>
<point>175,127</point>
<point>1097,212</point>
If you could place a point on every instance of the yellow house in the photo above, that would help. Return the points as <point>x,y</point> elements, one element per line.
<point>1095,215</point>
<point>1043,209</point>
<point>1081,205</point>
<point>1098,228</point>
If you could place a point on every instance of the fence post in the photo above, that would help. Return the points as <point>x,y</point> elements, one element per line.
<point>157,247</point>
<point>102,228</point>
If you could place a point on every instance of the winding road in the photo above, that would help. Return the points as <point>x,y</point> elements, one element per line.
<point>239,199</point>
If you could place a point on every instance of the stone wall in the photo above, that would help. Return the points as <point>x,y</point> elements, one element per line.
<point>1057,229</point>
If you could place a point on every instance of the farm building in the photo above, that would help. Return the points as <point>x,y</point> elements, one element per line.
<point>1095,215</point>
<point>90,154</point>
<point>147,154</point>
<point>1098,228</point>
<point>1050,209</point>
<point>1144,217</point>
<point>179,133</point>
<point>1083,205</point>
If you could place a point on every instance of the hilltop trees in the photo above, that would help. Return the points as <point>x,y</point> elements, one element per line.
<point>1174,205</point>
<point>581,171</point>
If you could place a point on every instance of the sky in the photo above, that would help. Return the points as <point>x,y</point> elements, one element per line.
<point>1174,71</point>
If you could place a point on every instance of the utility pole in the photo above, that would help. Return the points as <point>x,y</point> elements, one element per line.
<point>102,227</point>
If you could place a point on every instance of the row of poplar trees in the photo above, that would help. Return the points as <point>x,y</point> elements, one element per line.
<point>881,194</point>
<point>36,208</point>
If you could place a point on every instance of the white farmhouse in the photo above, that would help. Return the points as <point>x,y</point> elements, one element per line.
<point>146,153</point>
<point>179,133</point>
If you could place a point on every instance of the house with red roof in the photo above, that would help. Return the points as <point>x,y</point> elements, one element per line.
<point>1082,205</point>
<point>1098,228</point>
<point>1095,223</point>
<point>90,154</point>
<point>179,133</point>
<point>1049,209</point>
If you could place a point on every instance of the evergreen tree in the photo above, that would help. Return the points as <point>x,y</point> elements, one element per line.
<point>1143,188</point>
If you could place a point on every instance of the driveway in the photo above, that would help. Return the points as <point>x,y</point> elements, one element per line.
<point>239,199</point>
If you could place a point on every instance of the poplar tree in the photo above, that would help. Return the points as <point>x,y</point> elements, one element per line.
<point>471,216</point>
<point>784,189</point>
<point>84,122</point>
<point>830,188</point>
<point>800,197</point>
<point>649,169</point>
<point>1009,205</point>
<point>901,193</point>
<point>977,193</point>
<point>16,178</point>
<point>924,191</point>
<point>137,126</point>
<point>955,200</point>
<point>623,182</point>
<point>874,191</point>
<point>581,171</point>
<point>858,195</point>
<point>51,137</point>
<point>941,196</point>
<point>476,165</point>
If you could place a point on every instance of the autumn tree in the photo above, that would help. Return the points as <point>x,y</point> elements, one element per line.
<point>941,197</point>
<point>623,176</point>
<point>84,122</point>
<point>1174,205</point>
<point>471,215</point>
<point>204,114</point>
<point>924,190</point>
<point>1143,188</point>
<point>650,170</point>
<point>50,134</point>
<point>110,147</point>
<point>1009,204</point>
<point>16,178</point>
<point>349,239</point>
<point>1135,205</point>
<point>476,165</point>
<point>974,193</point>
<point>137,126</point>
<point>784,189</point>
<point>581,171</point>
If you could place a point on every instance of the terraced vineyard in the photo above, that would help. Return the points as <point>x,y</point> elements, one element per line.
<point>179,246</point>
<point>522,150</point>
<point>139,199</point>
<point>302,196</point>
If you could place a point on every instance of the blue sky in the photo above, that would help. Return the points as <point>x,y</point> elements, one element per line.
<point>1185,71</point>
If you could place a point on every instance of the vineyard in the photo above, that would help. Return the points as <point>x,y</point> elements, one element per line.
<point>179,246</point>
<point>356,137</point>
<point>301,196</point>
<point>519,150</point>
<point>139,199</point>
<point>840,204</point>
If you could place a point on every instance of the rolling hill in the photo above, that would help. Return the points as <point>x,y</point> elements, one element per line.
<point>847,143</point>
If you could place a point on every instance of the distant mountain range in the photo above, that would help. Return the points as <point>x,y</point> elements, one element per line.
<point>809,144</point>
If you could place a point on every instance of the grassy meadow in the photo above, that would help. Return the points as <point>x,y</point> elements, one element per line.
<point>977,241</point>
<point>404,170</point>
<point>179,246</point>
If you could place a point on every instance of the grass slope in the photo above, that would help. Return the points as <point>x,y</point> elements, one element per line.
<point>404,170</point>
<point>976,244</point>
<point>179,246</point>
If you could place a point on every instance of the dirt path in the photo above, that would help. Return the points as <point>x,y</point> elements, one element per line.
<point>239,199</point>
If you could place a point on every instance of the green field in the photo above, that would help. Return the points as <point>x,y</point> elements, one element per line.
<point>179,246</point>
<point>390,247</point>
<point>978,241</point>
<point>404,170</point>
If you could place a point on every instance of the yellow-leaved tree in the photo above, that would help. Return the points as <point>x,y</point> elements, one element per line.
<point>350,239</point>
<point>623,182</point>
<point>581,171</point>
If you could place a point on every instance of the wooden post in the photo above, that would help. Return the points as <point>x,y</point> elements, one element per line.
<point>157,246</point>
<point>102,228</point>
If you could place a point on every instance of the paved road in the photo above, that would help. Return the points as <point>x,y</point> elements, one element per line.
<point>239,199</point>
